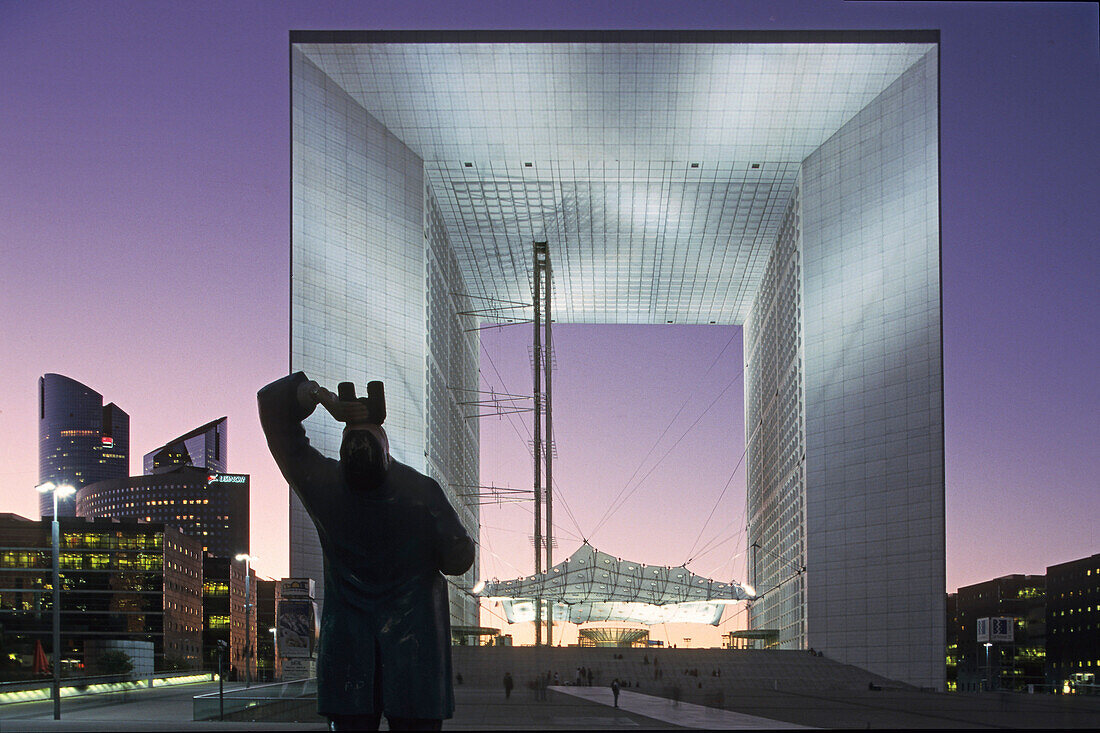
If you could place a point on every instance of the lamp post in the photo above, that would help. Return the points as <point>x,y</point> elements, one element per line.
<point>221,678</point>
<point>248,560</point>
<point>988,668</point>
<point>63,491</point>
<point>274,651</point>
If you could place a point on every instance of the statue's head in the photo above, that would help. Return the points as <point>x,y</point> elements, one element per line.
<point>365,450</point>
<point>365,456</point>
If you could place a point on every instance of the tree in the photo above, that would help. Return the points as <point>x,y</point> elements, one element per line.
<point>114,662</point>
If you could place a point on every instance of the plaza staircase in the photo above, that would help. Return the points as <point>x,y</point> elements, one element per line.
<point>664,671</point>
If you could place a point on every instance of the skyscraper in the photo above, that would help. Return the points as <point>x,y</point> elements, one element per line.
<point>784,180</point>
<point>204,447</point>
<point>185,484</point>
<point>80,440</point>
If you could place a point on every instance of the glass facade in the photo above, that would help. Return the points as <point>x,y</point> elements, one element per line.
<point>776,440</point>
<point>205,447</point>
<point>365,258</point>
<point>784,180</point>
<point>80,440</point>
<point>211,507</point>
<point>119,581</point>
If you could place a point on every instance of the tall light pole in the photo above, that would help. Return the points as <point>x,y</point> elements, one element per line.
<point>988,668</point>
<point>248,560</point>
<point>62,491</point>
<point>274,651</point>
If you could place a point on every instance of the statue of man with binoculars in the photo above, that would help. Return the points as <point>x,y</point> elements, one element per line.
<point>387,533</point>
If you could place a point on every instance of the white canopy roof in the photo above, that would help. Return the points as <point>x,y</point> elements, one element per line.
<point>591,585</point>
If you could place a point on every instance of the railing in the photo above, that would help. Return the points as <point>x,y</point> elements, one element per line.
<point>29,690</point>
<point>275,701</point>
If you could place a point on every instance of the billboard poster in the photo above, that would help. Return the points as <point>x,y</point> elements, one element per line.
<point>297,588</point>
<point>982,625</point>
<point>1001,628</point>
<point>296,628</point>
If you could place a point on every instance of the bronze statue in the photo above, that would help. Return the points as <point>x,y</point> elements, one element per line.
<point>387,533</point>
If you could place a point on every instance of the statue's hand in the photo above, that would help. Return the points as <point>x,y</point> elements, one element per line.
<point>310,394</point>
<point>345,412</point>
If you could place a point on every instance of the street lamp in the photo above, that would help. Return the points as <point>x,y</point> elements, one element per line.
<point>988,668</point>
<point>274,651</point>
<point>57,491</point>
<point>247,560</point>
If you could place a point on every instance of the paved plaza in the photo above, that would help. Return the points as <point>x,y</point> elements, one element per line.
<point>735,704</point>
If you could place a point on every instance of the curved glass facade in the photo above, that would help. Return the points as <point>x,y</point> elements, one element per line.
<point>210,506</point>
<point>80,440</point>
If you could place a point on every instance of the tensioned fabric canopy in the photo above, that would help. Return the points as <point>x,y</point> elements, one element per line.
<point>591,585</point>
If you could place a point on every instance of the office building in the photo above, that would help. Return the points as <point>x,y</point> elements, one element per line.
<point>205,447</point>
<point>224,617</point>
<point>268,664</point>
<point>80,440</point>
<point>783,180</point>
<point>982,660</point>
<point>951,681</point>
<point>211,507</point>
<point>121,581</point>
<point>1073,622</point>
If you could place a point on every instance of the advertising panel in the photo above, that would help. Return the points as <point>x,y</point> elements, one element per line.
<point>982,625</point>
<point>299,668</point>
<point>296,628</point>
<point>297,588</point>
<point>1000,628</point>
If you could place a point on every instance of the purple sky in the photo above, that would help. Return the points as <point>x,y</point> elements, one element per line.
<point>144,231</point>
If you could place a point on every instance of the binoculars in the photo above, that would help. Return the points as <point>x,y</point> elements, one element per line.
<point>375,399</point>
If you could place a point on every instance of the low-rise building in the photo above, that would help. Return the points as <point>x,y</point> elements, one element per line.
<point>1073,623</point>
<point>120,581</point>
<point>998,662</point>
<point>268,666</point>
<point>224,617</point>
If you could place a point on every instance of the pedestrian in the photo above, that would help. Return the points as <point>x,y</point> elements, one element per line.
<point>508,684</point>
<point>589,676</point>
<point>615,690</point>
<point>388,534</point>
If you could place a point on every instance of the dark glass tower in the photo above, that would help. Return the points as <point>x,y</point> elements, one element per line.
<point>80,440</point>
<point>203,447</point>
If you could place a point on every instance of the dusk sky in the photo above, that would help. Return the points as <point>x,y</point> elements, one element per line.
<point>144,232</point>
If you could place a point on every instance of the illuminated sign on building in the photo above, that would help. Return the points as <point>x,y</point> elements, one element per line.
<point>108,441</point>
<point>227,478</point>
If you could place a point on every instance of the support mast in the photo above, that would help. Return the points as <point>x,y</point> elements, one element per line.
<point>536,362</point>
<point>548,360</point>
